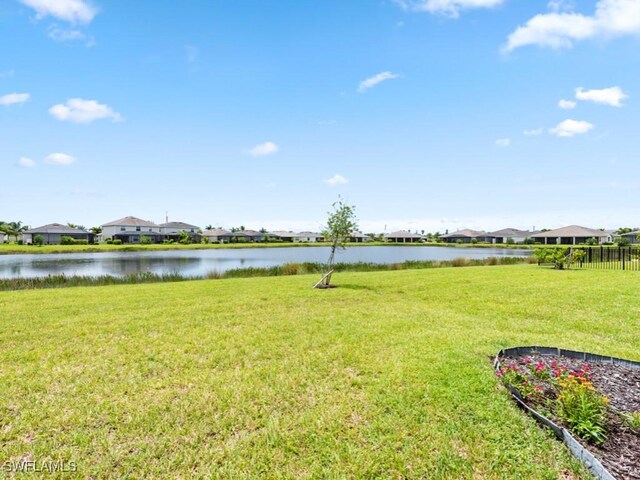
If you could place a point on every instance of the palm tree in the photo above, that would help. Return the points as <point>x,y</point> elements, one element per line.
<point>13,229</point>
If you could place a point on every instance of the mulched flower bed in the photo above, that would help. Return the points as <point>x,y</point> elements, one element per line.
<point>542,379</point>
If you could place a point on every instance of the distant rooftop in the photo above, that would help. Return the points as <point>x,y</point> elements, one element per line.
<point>216,232</point>
<point>402,234</point>
<point>130,222</point>
<point>511,232</point>
<point>182,225</point>
<point>571,231</point>
<point>56,228</point>
<point>466,233</point>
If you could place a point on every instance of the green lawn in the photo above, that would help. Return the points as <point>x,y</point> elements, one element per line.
<point>385,377</point>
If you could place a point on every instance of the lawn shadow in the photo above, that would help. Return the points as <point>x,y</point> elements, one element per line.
<point>351,286</point>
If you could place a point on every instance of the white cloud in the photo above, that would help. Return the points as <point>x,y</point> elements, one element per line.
<point>450,8</point>
<point>69,35</point>
<point>503,142</point>
<point>612,18</point>
<point>336,180</point>
<point>267,148</point>
<point>79,110</point>
<point>561,5</point>
<point>571,128</point>
<point>72,11</point>
<point>59,159</point>
<point>607,96</point>
<point>13,98</point>
<point>532,133</point>
<point>26,162</point>
<point>567,104</point>
<point>375,80</point>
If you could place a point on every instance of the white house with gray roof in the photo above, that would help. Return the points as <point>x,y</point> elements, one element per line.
<point>173,229</point>
<point>572,235</point>
<point>518,236</point>
<point>466,236</point>
<point>402,236</point>
<point>217,235</point>
<point>131,229</point>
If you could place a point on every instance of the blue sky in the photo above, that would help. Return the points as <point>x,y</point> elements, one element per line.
<point>425,114</point>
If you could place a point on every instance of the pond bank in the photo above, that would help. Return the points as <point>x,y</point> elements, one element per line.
<point>14,249</point>
<point>62,281</point>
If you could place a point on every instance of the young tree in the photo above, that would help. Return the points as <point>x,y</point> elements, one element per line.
<point>341,223</point>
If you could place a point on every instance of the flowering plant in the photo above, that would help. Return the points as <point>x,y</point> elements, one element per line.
<point>569,395</point>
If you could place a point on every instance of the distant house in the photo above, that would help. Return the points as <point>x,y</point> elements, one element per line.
<point>308,237</point>
<point>357,237</point>
<point>217,235</point>
<point>518,236</point>
<point>52,234</point>
<point>282,235</point>
<point>402,236</point>
<point>250,235</point>
<point>172,230</point>
<point>631,236</point>
<point>131,230</point>
<point>467,236</point>
<point>571,235</point>
<point>293,237</point>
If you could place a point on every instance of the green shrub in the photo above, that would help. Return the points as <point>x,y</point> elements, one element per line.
<point>559,257</point>
<point>623,241</point>
<point>632,420</point>
<point>510,241</point>
<point>38,240</point>
<point>145,240</point>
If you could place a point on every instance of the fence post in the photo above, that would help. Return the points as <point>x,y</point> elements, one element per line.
<point>621,253</point>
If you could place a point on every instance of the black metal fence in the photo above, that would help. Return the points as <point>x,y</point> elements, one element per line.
<point>610,258</point>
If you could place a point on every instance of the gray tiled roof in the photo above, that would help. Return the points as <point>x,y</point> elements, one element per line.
<point>182,225</point>
<point>216,232</point>
<point>56,228</point>
<point>466,233</point>
<point>130,222</point>
<point>571,231</point>
<point>402,234</point>
<point>511,232</point>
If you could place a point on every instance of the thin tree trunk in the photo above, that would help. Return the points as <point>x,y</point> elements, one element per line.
<point>327,280</point>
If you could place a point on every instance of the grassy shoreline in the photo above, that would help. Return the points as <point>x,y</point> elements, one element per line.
<point>387,376</point>
<point>14,249</point>
<point>63,281</point>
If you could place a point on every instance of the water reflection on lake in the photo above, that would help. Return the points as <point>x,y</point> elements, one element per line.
<point>193,263</point>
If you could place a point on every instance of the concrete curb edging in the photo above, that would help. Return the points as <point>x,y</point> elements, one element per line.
<point>578,451</point>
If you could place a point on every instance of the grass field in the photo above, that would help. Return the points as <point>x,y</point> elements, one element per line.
<point>387,376</point>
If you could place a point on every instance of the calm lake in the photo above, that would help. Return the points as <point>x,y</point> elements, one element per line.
<point>194,263</point>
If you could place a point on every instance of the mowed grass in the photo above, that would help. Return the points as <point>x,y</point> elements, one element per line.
<point>386,376</point>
